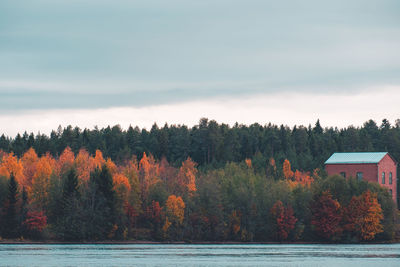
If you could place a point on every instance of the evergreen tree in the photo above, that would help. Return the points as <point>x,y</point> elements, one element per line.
<point>11,223</point>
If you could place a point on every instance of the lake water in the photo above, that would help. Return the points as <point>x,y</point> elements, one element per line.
<point>200,255</point>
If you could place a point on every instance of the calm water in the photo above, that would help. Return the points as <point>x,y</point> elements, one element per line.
<point>200,255</point>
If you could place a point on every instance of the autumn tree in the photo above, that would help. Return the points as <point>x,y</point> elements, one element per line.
<point>121,186</point>
<point>35,223</point>
<point>287,170</point>
<point>175,212</point>
<point>9,163</point>
<point>41,181</point>
<point>248,163</point>
<point>364,215</point>
<point>84,165</point>
<point>283,220</point>
<point>66,161</point>
<point>148,174</point>
<point>187,176</point>
<point>326,216</point>
<point>29,162</point>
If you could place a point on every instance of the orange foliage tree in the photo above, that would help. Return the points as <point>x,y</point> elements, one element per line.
<point>148,174</point>
<point>297,177</point>
<point>121,186</point>
<point>187,175</point>
<point>41,181</point>
<point>66,160</point>
<point>302,178</point>
<point>248,163</point>
<point>287,170</point>
<point>84,165</point>
<point>363,216</point>
<point>98,161</point>
<point>10,164</point>
<point>29,161</point>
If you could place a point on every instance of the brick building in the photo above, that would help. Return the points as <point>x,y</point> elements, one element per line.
<point>378,167</point>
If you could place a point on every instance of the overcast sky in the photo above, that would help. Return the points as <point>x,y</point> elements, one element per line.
<point>93,62</point>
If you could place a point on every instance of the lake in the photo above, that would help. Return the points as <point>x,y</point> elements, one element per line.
<point>199,255</point>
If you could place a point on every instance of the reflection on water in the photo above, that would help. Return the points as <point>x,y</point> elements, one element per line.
<point>199,255</point>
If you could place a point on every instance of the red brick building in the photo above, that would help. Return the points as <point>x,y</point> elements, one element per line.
<point>378,167</point>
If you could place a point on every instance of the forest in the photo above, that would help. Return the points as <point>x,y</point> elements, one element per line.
<point>211,182</point>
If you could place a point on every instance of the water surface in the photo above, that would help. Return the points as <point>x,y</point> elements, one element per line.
<point>199,255</point>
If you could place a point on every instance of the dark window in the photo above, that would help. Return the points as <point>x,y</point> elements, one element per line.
<point>391,192</point>
<point>359,176</point>
<point>390,178</point>
<point>383,177</point>
<point>343,174</point>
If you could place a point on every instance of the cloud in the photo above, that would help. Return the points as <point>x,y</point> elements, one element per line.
<point>291,109</point>
<point>115,53</point>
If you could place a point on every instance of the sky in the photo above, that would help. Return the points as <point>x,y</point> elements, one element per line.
<point>97,62</point>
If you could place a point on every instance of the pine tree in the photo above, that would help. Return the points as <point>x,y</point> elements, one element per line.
<point>11,227</point>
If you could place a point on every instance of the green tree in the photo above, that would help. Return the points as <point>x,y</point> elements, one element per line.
<point>11,221</point>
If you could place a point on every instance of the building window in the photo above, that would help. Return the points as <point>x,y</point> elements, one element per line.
<point>343,174</point>
<point>359,176</point>
<point>390,178</point>
<point>383,177</point>
<point>391,192</point>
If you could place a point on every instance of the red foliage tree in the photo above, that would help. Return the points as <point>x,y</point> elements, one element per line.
<point>284,220</point>
<point>326,216</point>
<point>35,221</point>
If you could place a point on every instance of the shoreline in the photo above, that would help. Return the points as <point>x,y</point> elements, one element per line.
<point>148,242</point>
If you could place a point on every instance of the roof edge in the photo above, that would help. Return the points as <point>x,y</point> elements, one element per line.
<point>394,160</point>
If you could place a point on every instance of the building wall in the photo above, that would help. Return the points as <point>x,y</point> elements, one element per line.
<point>387,165</point>
<point>370,171</point>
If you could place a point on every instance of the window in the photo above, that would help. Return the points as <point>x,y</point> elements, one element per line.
<point>391,192</point>
<point>390,178</point>
<point>343,174</point>
<point>359,176</point>
<point>383,177</point>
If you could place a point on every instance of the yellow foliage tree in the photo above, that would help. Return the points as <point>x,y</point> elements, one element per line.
<point>175,209</point>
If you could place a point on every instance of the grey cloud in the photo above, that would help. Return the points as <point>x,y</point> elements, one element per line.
<point>276,45</point>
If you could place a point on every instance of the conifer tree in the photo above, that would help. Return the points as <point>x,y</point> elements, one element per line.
<point>11,222</point>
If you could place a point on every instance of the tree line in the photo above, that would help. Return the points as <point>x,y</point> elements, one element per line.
<point>212,145</point>
<point>87,196</point>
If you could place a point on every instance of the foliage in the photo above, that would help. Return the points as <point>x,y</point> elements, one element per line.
<point>327,216</point>
<point>283,219</point>
<point>79,194</point>
<point>364,216</point>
